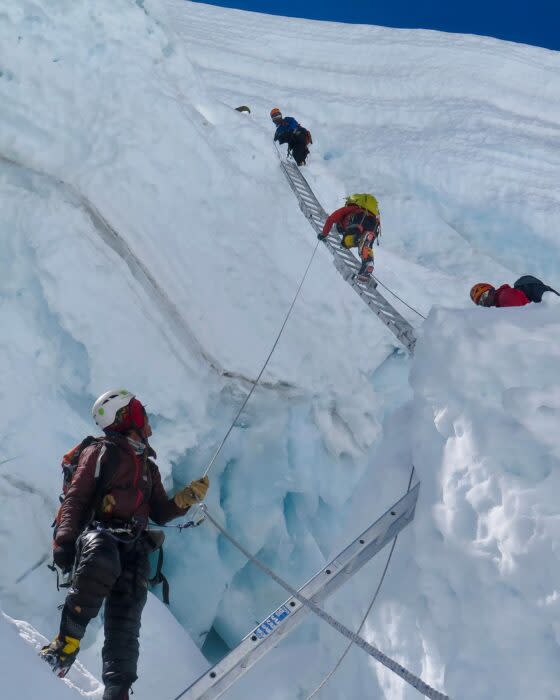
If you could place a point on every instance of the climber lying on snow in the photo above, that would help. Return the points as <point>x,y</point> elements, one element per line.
<point>525,290</point>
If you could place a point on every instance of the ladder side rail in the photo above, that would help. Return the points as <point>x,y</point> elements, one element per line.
<point>402,330</point>
<point>398,325</point>
<point>300,183</point>
<point>369,291</point>
<point>265,636</point>
<point>315,216</point>
<point>370,294</point>
<point>345,262</point>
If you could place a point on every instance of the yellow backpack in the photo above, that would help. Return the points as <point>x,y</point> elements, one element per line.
<point>367,201</point>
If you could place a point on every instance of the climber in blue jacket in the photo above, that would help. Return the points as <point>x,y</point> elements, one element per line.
<point>296,136</point>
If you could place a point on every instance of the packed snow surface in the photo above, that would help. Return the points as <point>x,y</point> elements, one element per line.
<point>150,240</point>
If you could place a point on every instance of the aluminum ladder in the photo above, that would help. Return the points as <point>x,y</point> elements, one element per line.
<point>346,264</point>
<point>276,626</point>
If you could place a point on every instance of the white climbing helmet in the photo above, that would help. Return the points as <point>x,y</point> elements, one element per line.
<point>105,409</point>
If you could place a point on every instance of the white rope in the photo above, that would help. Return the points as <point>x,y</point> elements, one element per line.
<point>389,663</point>
<point>9,459</point>
<point>195,513</point>
<point>398,297</point>
<point>211,462</point>
<point>363,622</point>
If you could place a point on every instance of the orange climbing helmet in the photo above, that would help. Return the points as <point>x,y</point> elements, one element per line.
<point>275,114</point>
<point>479,290</point>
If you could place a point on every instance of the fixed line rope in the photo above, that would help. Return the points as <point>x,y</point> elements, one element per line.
<point>210,464</point>
<point>398,297</point>
<point>195,517</point>
<point>363,622</point>
<point>9,459</point>
<point>389,663</point>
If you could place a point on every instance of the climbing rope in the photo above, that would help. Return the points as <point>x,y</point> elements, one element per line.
<point>363,622</point>
<point>389,663</point>
<point>398,297</point>
<point>195,518</point>
<point>9,459</point>
<point>210,464</point>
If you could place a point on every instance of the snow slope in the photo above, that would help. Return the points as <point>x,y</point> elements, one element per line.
<point>182,661</point>
<point>474,593</point>
<point>149,240</point>
<point>19,642</point>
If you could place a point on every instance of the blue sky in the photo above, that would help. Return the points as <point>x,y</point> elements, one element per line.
<point>534,22</point>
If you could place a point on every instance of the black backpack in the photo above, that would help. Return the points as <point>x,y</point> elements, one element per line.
<point>356,225</point>
<point>533,288</point>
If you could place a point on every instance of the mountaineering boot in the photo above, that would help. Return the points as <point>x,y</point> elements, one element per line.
<point>366,281</point>
<point>60,654</point>
<point>365,271</point>
<point>369,282</point>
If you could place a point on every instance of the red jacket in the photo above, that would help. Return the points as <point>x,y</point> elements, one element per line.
<point>342,215</point>
<point>133,480</point>
<point>509,296</point>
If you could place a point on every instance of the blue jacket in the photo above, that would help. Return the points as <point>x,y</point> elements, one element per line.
<point>285,128</point>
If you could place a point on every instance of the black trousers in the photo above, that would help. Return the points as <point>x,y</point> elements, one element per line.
<point>298,146</point>
<point>118,574</point>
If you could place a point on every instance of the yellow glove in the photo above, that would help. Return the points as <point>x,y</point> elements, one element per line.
<point>193,493</point>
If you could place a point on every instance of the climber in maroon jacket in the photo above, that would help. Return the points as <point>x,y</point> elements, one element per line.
<point>101,536</point>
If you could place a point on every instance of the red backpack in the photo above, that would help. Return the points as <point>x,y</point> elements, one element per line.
<point>69,466</point>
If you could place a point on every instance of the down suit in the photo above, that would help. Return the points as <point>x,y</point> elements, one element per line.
<point>116,488</point>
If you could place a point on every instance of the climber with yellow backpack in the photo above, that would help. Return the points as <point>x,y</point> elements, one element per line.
<point>359,224</point>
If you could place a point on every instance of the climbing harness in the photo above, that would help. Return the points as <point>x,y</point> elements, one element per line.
<point>63,581</point>
<point>197,515</point>
<point>126,533</point>
<point>345,262</point>
<point>129,533</point>
<point>366,615</point>
<point>159,577</point>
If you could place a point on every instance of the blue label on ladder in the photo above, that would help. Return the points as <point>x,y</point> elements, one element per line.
<point>271,622</point>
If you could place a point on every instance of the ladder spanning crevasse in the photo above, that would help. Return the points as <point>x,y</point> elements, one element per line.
<point>344,261</point>
<point>212,684</point>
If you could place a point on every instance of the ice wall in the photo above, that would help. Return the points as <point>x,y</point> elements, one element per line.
<point>149,240</point>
